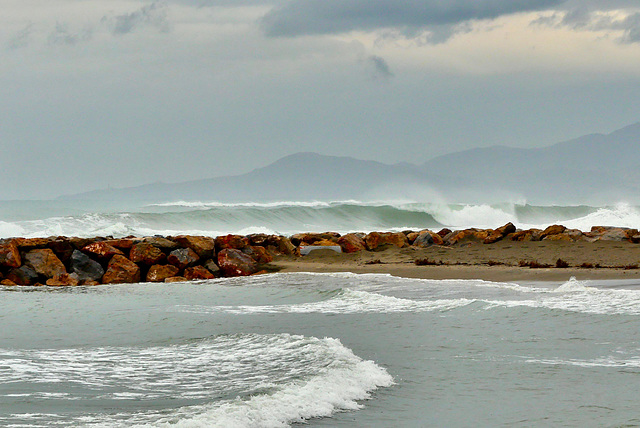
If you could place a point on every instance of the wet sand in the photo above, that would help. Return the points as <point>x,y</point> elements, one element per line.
<point>494,262</point>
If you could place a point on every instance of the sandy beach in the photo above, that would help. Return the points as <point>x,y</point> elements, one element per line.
<point>496,262</point>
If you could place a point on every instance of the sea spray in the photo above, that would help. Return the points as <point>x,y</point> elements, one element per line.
<point>289,217</point>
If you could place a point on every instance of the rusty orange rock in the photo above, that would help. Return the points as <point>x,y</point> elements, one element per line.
<point>159,273</point>
<point>10,255</point>
<point>121,270</point>
<point>351,243</point>
<point>45,262</point>
<point>197,272</point>
<point>146,253</point>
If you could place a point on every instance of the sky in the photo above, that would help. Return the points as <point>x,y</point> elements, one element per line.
<point>97,94</point>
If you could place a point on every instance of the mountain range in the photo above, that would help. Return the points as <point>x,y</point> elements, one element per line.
<point>595,168</point>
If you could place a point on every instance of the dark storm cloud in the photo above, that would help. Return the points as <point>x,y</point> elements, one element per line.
<point>312,17</point>
<point>153,15</point>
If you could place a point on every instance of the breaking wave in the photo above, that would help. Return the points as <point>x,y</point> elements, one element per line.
<point>289,217</point>
<point>228,381</point>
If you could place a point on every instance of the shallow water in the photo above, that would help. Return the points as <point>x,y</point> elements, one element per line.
<point>331,349</point>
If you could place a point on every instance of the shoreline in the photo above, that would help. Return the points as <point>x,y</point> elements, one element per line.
<point>499,262</point>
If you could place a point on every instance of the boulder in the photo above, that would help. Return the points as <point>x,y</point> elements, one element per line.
<point>311,238</point>
<point>234,262</point>
<point>24,275</point>
<point>121,270</point>
<point>122,244</point>
<point>259,239</point>
<point>202,245</point>
<point>380,240</point>
<point>160,242</point>
<point>444,232</point>
<point>7,282</point>
<point>85,267</point>
<point>499,233</point>
<point>159,273</point>
<point>427,239</point>
<point>467,235</point>
<point>280,245</point>
<point>62,247</point>
<point>197,272</point>
<point>212,267</point>
<point>31,243</point>
<point>553,230</point>
<point>558,237</point>
<point>527,235</point>
<point>351,243</point>
<point>146,253</point>
<point>182,258</point>
<point>176,279</point>
<point>237,242</point>
<point>63,280</point>
<point>604,233</point>
<point>44,262</point>
<point>259,254</point>
<point>10,255</point>
<point>102,250</point>
<point>80,243</point>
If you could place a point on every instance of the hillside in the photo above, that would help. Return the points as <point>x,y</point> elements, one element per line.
<point>595,168</point>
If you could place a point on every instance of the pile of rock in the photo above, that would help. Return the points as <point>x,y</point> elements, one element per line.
<point>61,261</point>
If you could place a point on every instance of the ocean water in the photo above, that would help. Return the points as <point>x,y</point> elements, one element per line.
<point>91,218</point>
<point>323,350</point>
<point>326,350</point>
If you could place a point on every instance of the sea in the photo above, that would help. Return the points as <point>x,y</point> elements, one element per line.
<point>317,350</point>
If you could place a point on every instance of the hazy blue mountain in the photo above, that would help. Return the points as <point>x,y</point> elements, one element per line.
<point>594,168</point>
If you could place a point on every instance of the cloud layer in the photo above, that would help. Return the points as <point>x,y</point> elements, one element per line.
<point>314,17</point>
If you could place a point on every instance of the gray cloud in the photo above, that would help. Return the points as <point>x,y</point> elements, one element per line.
<point>380,67</point>
<point>313,17</point>
<point>583,18</point>
<point>21,38</point>
<point>153,15</point>
<point>62,35</point>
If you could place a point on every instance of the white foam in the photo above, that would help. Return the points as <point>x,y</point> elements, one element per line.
<point>339,388</point>
<point>278,379</point>
<point>619,215</point>
<point>465,216</point>
<point>346,302</point>
<point>597,362</point>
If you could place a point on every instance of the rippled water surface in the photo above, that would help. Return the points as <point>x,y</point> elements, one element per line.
<point>328,349</point>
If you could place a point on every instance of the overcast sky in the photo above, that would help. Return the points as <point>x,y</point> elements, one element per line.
<point>99,93</point>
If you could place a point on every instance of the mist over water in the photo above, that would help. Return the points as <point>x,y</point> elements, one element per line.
<point>34,219</point>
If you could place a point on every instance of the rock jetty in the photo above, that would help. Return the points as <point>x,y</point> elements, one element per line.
<point>71,261</point>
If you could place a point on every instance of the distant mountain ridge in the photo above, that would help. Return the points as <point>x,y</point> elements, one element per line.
<point>593,168</point>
